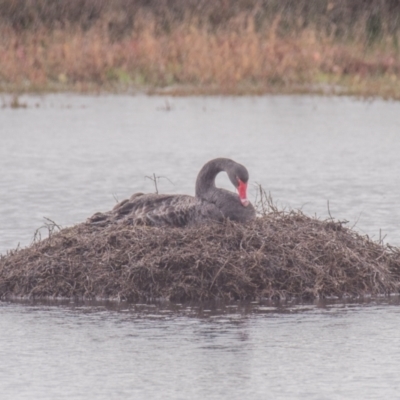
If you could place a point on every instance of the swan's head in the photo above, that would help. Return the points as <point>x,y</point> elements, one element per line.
<point>239,178</point>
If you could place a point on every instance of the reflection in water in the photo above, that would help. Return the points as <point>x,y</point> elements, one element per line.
<point>167,351</point>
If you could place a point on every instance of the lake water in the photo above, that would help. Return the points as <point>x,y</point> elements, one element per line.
<point>65,157</point>
<point>336,351</point>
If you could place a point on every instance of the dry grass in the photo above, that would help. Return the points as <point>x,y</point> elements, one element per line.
<point>249,47</point>
<point>279,255</point>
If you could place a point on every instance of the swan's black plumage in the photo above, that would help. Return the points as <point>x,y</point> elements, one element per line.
<point>209,203</point>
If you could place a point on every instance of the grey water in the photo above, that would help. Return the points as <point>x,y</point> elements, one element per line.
<point>336,351</point>
<point>73,155</point>
<point>65,157</point>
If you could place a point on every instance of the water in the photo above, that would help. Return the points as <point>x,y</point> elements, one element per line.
<point>66,157</point>
<point>333,351</point>
<point>72,155</point>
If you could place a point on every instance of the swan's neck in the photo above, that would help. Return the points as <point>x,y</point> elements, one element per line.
<point>205,182</point>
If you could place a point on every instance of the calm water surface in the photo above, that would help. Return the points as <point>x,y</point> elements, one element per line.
<point>72,156</point>
<point>142,352</point>
<point>66,157</point>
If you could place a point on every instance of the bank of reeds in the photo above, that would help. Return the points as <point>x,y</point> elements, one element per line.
<point>278,255</point>
<point>199,46</point>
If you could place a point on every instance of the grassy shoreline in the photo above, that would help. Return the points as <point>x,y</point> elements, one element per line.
<point>130,47</point>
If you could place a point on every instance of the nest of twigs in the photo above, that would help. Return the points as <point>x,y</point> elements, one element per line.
<point>278,255</point>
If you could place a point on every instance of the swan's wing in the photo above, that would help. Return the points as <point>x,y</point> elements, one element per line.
<point>175,210</point>
<point>157,209</point>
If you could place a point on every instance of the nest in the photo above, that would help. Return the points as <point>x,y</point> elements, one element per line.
<point>279,255</point>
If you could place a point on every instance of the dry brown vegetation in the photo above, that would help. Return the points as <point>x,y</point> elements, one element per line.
<point>279,255</point>
<point>225,46</point>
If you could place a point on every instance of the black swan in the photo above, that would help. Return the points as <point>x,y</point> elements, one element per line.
<point>209,203</point>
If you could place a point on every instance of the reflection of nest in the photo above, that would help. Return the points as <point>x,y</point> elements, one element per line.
<point>278,255</point>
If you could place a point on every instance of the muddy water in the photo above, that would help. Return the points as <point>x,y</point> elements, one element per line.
<point>66,157</point>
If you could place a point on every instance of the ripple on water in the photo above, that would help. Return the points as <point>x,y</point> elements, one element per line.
<point>318,350</point>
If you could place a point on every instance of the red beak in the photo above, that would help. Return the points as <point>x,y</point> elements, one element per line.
<point>242,188</point>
